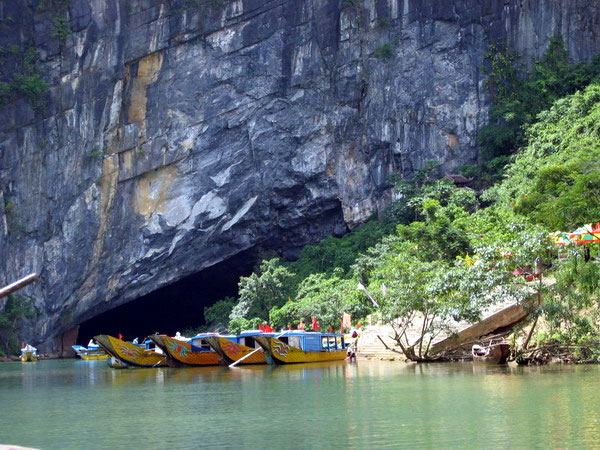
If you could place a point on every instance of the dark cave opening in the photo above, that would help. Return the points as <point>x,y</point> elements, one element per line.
<point>175,307</point>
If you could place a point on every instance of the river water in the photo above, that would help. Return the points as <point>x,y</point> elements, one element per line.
<point>85,404</point>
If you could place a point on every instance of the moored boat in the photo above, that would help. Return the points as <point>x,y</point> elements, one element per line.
<point>131,354</point>
<point>195,352</point>
<point>29,354</point>
<point>300,346</point>
<point>495,354</point>
<point>90,353</point>
<point>241,347</point>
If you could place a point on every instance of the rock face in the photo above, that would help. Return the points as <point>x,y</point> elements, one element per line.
<point>177,133</point>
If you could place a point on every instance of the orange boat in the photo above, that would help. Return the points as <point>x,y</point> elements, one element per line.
<point>129,353</point>
<point>195,352</point>
<point>234,348</point>
<point>303,346</point>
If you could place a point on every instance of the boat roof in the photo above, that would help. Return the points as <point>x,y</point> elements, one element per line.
<point>204,335</point>
<point>307,333</point>
<point>255,333</point>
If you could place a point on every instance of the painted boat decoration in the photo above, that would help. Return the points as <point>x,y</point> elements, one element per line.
<point>29,354</point>
<point>195,352</point>
<point>90,353</point>
<point>234,348</point>
<point>131,354</point>
<point>495,354</point>
<point>299,346</point>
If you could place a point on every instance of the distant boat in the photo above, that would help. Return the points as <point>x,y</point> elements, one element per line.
<point>299,346</point>
<point>193,352</point>
<point>131,354</point>
<point>91,352</point>
<point>234,348</point>
<point>495,354</point>
<point>29,354</point>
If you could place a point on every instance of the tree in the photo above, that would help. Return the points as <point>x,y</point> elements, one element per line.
<point>324,297</point>
<point>16,309</point>
<point>261,291</point>
<point>218,314</point>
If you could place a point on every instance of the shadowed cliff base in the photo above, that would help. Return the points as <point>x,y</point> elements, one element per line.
<point>175,307</point>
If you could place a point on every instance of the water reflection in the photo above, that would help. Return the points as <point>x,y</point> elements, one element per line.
<point>364,404</point>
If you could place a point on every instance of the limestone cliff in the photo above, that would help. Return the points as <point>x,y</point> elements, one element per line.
<point>177,133</point>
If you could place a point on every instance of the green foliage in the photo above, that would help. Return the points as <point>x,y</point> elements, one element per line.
<point>5,92</point>
<point>384,23</point>
<point>324,297</point>
<point>32,87</point>
<point>385,51</point>
<point>60,28</point>
<point>240,324</point>
<point>350,3</point>
<point>518,99</point>
<point>16,309</point>
<point>338,253</point>
<point>26,81</point>
<point>555,179</point>
<point>218,314</point>
<point>261,291</point>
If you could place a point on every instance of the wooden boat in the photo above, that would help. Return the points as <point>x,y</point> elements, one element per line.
<point>299,346</point>
<point>90,353</point>
<point>195,352</point>
<point>129,353</point>
<point>29,354</point>
<point>495,354</point>
<point>234,348</point>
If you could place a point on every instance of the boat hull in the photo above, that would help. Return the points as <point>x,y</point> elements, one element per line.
<point>94,357</point>
<point>282,353</point>
<point>129,353</point>
<point>184,353</point>
<point>232,351</point>
<point>495,354</point>
<point>29,357</point>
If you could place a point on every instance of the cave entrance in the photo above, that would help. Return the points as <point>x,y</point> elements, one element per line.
<point>176,307</point>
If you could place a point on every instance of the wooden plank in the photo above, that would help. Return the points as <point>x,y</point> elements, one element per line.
<point>506,317</point>
<point>18,284</point>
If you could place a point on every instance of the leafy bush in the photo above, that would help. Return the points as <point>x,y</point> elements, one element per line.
<point>518,98</point>
<point>385,51</point>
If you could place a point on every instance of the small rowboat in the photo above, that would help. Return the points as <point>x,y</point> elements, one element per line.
<point>242,346</point>
<point>130,353</point>
<point>195,352</point>
<point>495,354</point>
<point>300,346</point>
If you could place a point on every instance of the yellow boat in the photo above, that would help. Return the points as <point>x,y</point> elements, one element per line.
<point>234,348</point>
<point>195,352</point>
<point>29,354</point>
<point>300,346</point>
<point>90,353</point>
<point>129,353</point>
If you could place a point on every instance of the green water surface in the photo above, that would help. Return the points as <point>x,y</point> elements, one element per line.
<point>370,404</point>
